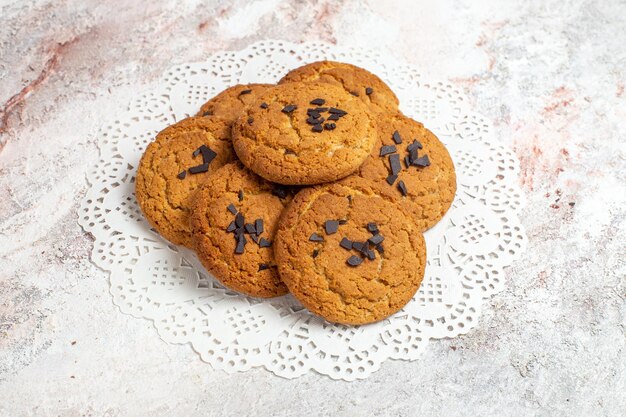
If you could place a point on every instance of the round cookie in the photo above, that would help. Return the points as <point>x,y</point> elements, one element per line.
<point>304,134</point>
<point>348,253</point>
<point>232,207</point>
<point>230,103</point>
<point>429,181</point>
<point>370,89</point>
<point>169,173</point>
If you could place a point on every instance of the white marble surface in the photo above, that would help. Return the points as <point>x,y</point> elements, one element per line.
<point>549,74</point>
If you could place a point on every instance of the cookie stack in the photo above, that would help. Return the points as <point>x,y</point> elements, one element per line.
<point>318,186</point>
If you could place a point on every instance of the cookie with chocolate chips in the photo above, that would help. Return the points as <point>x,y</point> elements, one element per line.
<point>230,103</point>
<point>348,253</point>
<point>410,162</point>
<point>369,88</point>
<point>173,166</point>
<point>234,219</point>
<point>303,134</point>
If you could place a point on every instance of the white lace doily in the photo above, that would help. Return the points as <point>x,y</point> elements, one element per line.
<point>467,249</point>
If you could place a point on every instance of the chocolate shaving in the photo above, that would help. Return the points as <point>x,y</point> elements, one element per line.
<point>376,239</point>
<point>369,90</point>
<point>240,195</point>
<point>264,105</point>
<point>402,188</point>
<point>315,253</point>
<point>329,126</point>
<point>394,162</point>
<point>231,207</point>
<point>264,243</point>
<point>245,92</point>
<point>317,128</point>
<point>258,225</point>
<point>249,227</point>
<point>263,267</point>
<point>391,179</point>
<point>199,169</point>
<point>318,101</point>
<point>346,243</point>
<point>289,108</point>
<point>372,228</point>
<point>182,175</point>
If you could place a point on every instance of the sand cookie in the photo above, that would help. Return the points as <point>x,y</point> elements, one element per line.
<point>349,254</point>
<point>357,81</point>
<point>235,215</point>
<point>173,166</point>
<point>304,134</point>
<point>409,160</point>
<point>230,103</point>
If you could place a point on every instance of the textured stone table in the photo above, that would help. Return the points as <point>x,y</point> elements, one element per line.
<point>549,74</point>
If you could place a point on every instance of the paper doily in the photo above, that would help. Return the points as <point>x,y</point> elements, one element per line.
<point>467,249</point>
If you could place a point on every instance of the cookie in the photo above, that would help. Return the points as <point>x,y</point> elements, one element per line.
<point>230,103</point>
<point>412,163</point>
<point>172,168</point>
<point>357,81</point>
<point>304,134</point>
<point>348,253</point>
<point>235,215</point>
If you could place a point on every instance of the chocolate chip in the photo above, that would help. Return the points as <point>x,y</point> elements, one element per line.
<point>199,169</point>
<point>370,254</point>
<point>396,137</point>
<point>231,227</point>
<point>342,221</point>
<point>318,101</point>
<point>239,220</point>
<point>369,90</point>
<point>387,149</point>
<point>314,115</point>
<point>317,128</point>
<point>208,154</point>
<point>572,204</point>
<point>358,246</point>
<point>413,155</point>
<point>255,238</point>
<point>414,145</point>
<point>372,228</point>
<point>316,238</point>
<point>394,162</point>
<point>380,249</point>
<point>240,195</point>
<point>314,121</point>
<point>250,229</point>
<point>263,267</point>
<point>258,225</point>
<point>329,126</point>
<point>334,117</point>
<point>241,243</point>
<point>354,93</point>
<point>196,152</point>
<point>365,247</point>
<point>182,175</point>
<point>376,239</point>
<point>391,179</point>
<point>289,152</point>
<point>346,243</point>
<point>315,253</point>
<point>422,161</point>
<point>207,113</point>
<point>231,207</point>
<point>289,108</point>
<point>250,120</point>
<point>334,110</point>
<point>331,226</point>
<point>354,260</point>
<point>264,243</point>
<point>407,161</point>
<point>264,105</point>
<point>319,109</point>
<point>402,188</point>
<point>349,199</point>
<point>245,92</point>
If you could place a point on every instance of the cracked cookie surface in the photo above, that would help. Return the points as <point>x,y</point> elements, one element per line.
<point>317,272</point>
<point>430,189</point>
<point>230,103</point>
<point>253,271</point>
<point>277,140</point>
<point>163,197</point>
<point>370,88</point>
